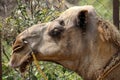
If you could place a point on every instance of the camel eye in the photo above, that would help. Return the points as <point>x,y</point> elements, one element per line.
<point>62,23</point>
<point>56,32</point>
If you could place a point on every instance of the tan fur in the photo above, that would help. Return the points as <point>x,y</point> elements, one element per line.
<point>83,51</point>
<point>109,32</point>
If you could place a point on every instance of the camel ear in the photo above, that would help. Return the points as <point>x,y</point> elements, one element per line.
<point>82,19</point>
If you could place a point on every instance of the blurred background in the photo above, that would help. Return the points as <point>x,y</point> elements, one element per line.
<point>17,15</point>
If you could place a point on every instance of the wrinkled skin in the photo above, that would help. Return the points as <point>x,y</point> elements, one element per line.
<point>76,39</point>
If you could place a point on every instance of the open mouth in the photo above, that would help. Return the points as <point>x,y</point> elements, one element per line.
<point>23,66</point>
<point>22,63</point>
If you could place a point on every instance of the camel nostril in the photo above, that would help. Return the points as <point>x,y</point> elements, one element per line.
<point>17,48</point>
<point>18,45</point>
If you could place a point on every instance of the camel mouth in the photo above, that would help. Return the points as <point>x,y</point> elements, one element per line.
<point>23,66</point>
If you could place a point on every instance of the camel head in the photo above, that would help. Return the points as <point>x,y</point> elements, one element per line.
<point>72,40</point>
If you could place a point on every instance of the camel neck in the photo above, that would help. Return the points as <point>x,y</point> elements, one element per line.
<point>91,65</point>
<point>112,64</point>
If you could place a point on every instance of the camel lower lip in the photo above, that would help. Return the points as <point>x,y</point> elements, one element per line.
<point>22,66</point>
<point>17,66</point>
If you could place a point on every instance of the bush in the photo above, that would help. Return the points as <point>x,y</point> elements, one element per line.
<point>25,15</point>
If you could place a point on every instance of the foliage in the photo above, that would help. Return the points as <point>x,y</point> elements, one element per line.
<point>25,15</point>
<point>103,7</point>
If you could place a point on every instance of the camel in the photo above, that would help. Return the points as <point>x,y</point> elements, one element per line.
<point>78,40</point>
